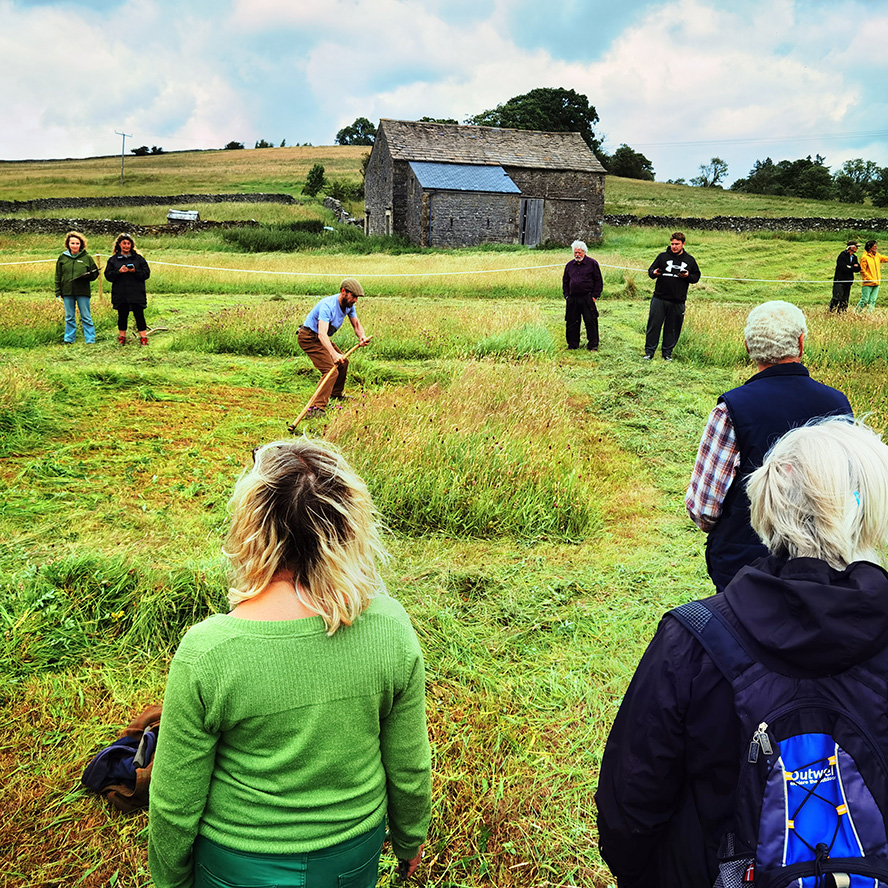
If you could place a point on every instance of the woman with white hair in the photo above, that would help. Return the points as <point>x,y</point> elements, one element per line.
<point>294,726</point>
<point>813,610</point>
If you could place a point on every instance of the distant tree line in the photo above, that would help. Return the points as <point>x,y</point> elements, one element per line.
<point>851,183</point>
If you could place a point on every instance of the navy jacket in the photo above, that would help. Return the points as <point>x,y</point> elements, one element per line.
<point>671,762</point>
<point>762,410</point>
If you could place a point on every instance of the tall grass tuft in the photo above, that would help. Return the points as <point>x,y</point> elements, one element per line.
<point>22,413</point>
<point>497,453</point>
<point>269,328</point>
<point>69,610</point>
<point>520,342</point>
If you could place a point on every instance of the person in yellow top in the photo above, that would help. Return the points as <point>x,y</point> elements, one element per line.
<point>871,275</point>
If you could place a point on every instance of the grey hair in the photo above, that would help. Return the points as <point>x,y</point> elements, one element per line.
<point>822,492</point>
<point>579,245</point>
<point>773,330</point>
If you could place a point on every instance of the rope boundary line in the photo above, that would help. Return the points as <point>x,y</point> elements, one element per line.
<point>421,274</point>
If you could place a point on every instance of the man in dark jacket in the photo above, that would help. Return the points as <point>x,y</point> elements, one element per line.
<point>817,607</point>
<point>744,424</point>
<point>581,285</point>
<point>847,266</point>
<point>673,270</point>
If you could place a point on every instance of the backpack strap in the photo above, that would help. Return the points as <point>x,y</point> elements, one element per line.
<point>729,651</point>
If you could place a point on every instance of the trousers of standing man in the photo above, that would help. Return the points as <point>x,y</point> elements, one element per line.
<point>668,316</point>
<point>576,309</point>
<point>310,343</point>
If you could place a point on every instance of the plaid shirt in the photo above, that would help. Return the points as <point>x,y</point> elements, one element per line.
<point>717,461</point>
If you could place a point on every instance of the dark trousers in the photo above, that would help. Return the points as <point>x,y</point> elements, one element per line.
<point>668,316</point>
<point>579,308</point>
<point>138,316</point>
<point>840,295</point>
<point>320,357</point>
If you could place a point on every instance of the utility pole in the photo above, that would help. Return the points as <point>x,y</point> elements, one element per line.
<point>122,149</point>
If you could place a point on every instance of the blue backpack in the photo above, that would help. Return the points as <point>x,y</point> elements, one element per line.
<point>809,807</point>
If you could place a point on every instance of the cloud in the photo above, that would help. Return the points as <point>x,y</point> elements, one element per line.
<point>736,82</point>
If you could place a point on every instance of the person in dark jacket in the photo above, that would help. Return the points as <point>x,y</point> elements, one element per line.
<point>581,285</point>
<point>674,270</point>
<point>847,265</point>
<point>742,427</point>
<point>128,271</point>
<point>815,607</point>
<point>75,269</point>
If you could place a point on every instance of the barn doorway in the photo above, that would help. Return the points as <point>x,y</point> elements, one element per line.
<point>531,221</point>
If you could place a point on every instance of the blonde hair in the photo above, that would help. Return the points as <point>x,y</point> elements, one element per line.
<point>822,492</point>
<point>302,509</point>
<point>773,330</point>
<point>77,234</point>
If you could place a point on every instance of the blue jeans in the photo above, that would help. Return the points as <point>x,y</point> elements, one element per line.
<point>86,321</point>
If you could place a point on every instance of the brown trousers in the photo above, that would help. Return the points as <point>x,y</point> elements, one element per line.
<point>320,357</point>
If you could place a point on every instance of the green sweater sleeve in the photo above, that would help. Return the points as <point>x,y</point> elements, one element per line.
<point>406,757</point>
<point>186,745</point>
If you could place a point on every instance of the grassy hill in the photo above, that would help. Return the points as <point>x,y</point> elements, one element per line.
<point>284,170</point>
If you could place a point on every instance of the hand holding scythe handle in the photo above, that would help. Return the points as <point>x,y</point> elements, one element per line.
<point>292,426</point>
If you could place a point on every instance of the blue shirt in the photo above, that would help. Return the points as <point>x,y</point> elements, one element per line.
<point>330,311</point>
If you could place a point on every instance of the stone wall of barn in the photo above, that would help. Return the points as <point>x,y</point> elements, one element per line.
<point>463,218</point>
<point>574,202</point>
<point>378,187</point>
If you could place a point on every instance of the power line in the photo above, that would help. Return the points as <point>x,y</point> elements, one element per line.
<point>877,134</point>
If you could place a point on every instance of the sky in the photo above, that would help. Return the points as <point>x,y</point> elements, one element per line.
<point>681,81</point>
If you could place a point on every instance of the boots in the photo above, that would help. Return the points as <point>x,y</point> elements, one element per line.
<point>143,337</point>
<point>121,337</point>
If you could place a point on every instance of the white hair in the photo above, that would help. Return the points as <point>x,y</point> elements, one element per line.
<point>579,245</point>
<point>822,492</point>
<point>773,330</point>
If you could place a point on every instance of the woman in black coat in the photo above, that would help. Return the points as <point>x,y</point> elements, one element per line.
<point>127,270</point>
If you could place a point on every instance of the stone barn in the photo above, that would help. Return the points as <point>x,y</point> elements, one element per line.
<point>446,185</point>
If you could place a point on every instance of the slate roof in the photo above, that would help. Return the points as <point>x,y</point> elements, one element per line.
<point>487,145</point>
<point>463,177</point>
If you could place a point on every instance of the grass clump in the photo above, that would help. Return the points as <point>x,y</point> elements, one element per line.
<point>520,342</point>
<point>494,454</point>
<point>299,236</point>
<point>269,328</point>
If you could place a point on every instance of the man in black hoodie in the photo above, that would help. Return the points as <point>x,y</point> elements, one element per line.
<point>816,607</point>
<point>673,270</point>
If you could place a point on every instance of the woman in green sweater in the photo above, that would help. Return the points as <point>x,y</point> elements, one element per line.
<point>294,726</point>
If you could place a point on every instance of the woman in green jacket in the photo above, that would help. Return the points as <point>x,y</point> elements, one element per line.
<point>75,269</point>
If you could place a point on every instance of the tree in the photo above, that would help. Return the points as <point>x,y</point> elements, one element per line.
<point>283,143</point>
<point>546,109</point>
<point>263,144</point>
<point>438,120</point>
<point>140,151</point>
<point>156,149</point>
<point>361,132</point>
<point>314,181</point>
<point>711,174</point>
<point>878,188</point>
<point>234,146</point>
<point>762,179</point>
<point>852,179</point>
<point>630,164</point>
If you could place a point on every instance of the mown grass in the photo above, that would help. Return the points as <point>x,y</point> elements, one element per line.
<point>534,497</point>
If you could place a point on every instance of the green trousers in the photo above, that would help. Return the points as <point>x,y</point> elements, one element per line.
<point>350,864</point>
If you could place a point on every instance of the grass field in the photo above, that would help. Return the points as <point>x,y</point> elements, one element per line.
<point>534,497</point>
